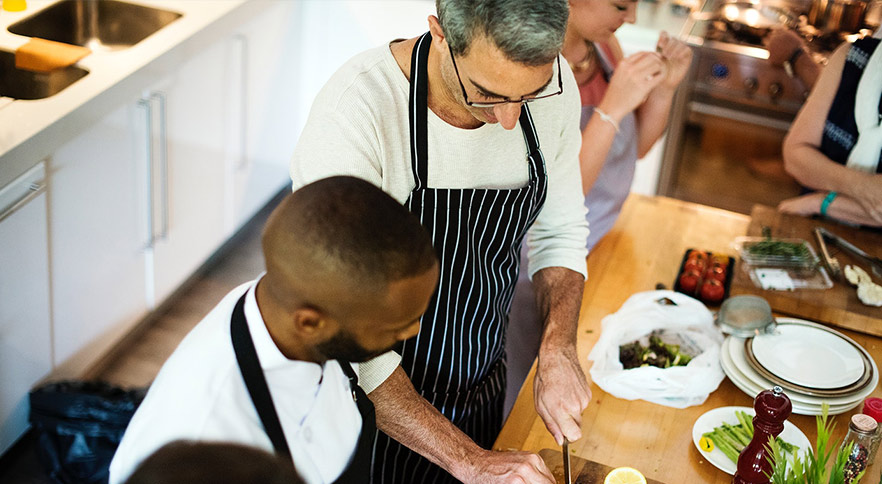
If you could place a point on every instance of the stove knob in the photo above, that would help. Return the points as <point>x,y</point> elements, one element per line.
<point>719,71</point>
<point>751,84</point>
<point>776,90</point>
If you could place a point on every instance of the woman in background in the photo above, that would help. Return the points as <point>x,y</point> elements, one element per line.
<point>835,143</point>
<point>625,107</point>
<point>625,102</point>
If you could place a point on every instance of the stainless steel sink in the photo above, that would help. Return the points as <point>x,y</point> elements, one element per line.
<point>23,84</point>
<point>96,24</point>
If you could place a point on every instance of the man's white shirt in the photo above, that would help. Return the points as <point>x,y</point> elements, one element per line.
<point>199,394</point>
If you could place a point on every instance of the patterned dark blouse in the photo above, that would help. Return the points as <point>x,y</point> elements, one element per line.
<point>840,130</point>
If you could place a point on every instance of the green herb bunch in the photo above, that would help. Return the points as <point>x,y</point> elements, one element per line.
<point>817,467</point>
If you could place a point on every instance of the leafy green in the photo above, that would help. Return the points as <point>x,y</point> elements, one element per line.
<point>815,468</point>
<point>658,353</point>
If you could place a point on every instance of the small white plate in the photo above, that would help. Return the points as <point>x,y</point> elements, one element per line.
<point>714,418</point>
<point>810,357</point>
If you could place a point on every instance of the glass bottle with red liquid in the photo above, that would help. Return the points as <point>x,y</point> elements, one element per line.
<point>772,409</point>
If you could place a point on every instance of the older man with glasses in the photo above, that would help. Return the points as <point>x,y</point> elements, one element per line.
<point>474,127</point>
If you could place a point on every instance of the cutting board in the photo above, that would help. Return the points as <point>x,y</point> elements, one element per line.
<point>582,470</point>
<point>837,306</point>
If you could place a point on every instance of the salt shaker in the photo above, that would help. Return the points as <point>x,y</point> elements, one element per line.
<point>861,432</point>
<point>873,408</point>
<point>772,409</point>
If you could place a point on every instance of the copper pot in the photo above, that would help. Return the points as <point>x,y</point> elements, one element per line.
<point>837,15</point>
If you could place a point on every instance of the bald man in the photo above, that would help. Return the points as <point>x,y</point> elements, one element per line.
<point>349,272</point>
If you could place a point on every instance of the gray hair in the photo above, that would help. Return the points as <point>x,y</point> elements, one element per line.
<point>529,32</point>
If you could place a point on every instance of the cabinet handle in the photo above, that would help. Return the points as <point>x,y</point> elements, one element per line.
<point>34,190</point>
<point>163,150</point>
<point>242,40</point>
<point>144,103</point>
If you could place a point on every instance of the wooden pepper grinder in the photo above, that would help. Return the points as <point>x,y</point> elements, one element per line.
<point>772,409</point>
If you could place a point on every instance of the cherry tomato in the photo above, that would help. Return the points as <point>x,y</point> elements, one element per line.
<point>689,281</point>
<point>712,291</point>
<point>697,254</point>
<point>697,265</point>
<point>715,272</point>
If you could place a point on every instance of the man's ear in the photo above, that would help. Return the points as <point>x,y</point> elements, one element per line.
<point>311,326</point>
<point>439,40</point>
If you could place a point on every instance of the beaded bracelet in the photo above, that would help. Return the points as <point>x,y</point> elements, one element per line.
<point>827,201</point>
<point>609,119</point>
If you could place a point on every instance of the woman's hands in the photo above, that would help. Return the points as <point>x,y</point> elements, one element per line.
<point>639,74</point>
<point>677,57</point>
<point>632,81</point>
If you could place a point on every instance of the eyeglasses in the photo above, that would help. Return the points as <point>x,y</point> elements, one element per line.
<point>491,104</point>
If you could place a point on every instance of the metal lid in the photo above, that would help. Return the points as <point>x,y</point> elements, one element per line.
<point>863,423</point>
<point>745,316</point>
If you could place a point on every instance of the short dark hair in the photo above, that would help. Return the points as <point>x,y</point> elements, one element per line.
<point>183,461</point>
<point>359,231</point>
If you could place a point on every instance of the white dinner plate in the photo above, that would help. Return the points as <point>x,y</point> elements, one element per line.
<point>714,418</point>
<point>752,388</point>
<point>738,358</point>
<point>809,356</point>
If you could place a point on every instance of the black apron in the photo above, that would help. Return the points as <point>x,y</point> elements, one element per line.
<point>457,361</point>
<point>359,467</point>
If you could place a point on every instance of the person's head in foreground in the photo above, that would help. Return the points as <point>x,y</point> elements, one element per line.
<point>187,461</point>
<point>349,272</point>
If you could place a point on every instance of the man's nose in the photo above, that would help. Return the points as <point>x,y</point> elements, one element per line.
<point>507,114</point>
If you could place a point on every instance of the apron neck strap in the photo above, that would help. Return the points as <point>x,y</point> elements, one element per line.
<point>418,109</point>
<point>255,382</point>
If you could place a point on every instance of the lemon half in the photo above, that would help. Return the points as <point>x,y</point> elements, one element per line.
<point>624,475</point>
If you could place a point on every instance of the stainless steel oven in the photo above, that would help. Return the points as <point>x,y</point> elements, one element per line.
<point>730,117</point>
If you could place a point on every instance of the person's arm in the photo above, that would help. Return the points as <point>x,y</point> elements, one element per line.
<point>556,259</point>
<point>786,46</point>
<point>802,156</point>
<point>842,208</point>
<point>408,418</point>
<point>560,386</point>
<point>631,83</point>
<point>652,115</point>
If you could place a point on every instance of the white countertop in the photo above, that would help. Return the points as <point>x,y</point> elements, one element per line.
<point>27,126</point>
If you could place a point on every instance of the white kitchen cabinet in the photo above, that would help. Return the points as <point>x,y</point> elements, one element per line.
<point>188,109</point>
<point>264,116</point>
<point>25,344</point>
<point>99,236</point>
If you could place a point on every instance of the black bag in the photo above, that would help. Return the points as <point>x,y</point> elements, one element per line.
<point>78,426</point>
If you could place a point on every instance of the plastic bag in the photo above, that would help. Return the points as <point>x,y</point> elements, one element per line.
<point>688,323</point>
<point>78,426</point>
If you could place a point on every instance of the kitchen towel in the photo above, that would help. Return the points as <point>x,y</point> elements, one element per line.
<point>41,55</point>
<point>864,155</point>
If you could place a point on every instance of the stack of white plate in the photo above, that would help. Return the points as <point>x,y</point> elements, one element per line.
<point>812,363</point>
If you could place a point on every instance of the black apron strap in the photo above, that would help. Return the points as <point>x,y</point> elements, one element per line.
<point>359,469</point>
<point>418,114</point>
<point>252,373</point>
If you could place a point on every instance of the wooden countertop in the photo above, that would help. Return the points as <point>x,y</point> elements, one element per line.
<point>645,248</point>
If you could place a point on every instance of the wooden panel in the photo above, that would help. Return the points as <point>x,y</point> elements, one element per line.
<point>837,306</point>
<point>583,471</point>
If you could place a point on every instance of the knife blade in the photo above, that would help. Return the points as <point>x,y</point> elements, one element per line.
<point>568,479</point>
<point>875,263</point>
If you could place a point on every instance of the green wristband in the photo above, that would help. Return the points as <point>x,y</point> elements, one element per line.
<point>826,203</point>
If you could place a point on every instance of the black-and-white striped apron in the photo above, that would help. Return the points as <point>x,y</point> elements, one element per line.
<point>457,361</point>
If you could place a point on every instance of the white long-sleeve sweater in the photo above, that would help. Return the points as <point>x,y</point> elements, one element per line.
<point>359,126</point>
